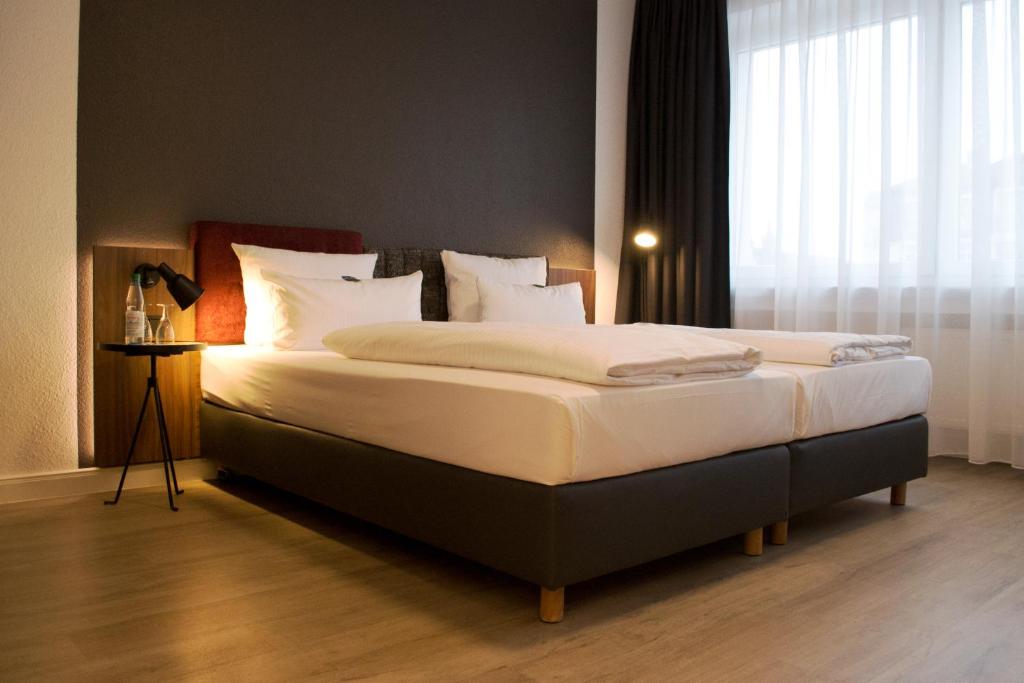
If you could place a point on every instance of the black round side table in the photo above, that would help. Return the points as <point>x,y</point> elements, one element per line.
<point>153,351</point>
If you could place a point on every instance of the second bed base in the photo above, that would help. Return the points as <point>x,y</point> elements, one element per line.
<point>834,467</point>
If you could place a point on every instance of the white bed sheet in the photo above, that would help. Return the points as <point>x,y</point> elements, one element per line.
<point>836,399</point>
<point>532,428</point>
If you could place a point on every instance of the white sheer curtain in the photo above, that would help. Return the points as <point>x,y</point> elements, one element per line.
<point>877,185</point>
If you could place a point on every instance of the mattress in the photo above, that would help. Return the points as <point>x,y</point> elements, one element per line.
<point>537,429</point>
<point>837,399</point>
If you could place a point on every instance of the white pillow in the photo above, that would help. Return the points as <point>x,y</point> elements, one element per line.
<point>558,304</point>
<point>462,270</point>
<point>306,309</point>
<point>254,260</point>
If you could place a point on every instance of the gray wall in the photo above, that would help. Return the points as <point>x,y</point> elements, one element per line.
<point>466,124</point>
<point>440,123</point>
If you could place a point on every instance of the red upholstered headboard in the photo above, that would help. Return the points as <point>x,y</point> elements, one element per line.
<point>220,312</point>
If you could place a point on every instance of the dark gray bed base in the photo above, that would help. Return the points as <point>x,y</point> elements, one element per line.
<point>834,467</point>
<point>551,536</point>
<point>554,536</point>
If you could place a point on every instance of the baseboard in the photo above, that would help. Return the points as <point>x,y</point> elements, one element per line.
<point>99,479</point>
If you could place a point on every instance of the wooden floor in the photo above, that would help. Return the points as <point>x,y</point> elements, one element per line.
<point>249,584</point>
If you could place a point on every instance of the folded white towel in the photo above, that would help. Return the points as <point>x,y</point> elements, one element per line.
<point>596,354</point>
<point>814,348</point>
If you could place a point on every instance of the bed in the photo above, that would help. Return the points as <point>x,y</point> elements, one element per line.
<point>859,428</point>
<point>585,481</point>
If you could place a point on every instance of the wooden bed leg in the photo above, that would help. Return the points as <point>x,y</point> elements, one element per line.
<point>552,604</point>
<point>753,542</point>
<point>898,494</point>
<point>779,532</point>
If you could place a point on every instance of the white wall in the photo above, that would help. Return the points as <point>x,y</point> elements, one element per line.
<point>614,37</point>
<point>38,109</point>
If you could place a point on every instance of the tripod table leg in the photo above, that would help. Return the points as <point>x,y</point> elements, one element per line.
<point>131,448</point>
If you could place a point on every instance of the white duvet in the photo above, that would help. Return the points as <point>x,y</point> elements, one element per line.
<point>814,348</point>
<point>596,354</point>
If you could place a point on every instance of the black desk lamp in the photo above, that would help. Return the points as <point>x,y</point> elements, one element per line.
<point>184,290</point>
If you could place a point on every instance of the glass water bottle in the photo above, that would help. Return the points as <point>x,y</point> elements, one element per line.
<point>135,313</point>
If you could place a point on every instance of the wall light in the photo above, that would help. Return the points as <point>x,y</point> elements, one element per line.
<point>645,239</point>
<point>184,291</point>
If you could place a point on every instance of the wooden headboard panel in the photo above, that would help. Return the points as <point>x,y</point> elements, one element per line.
<point>588,281</point>
<point>119,383</point>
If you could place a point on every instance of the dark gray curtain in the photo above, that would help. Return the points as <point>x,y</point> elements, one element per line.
<point>677,166</point>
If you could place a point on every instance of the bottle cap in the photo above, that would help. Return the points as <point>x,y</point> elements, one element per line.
<point>136,278</point>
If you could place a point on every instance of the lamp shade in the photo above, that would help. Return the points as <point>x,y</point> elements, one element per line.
<point>183,289</point>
